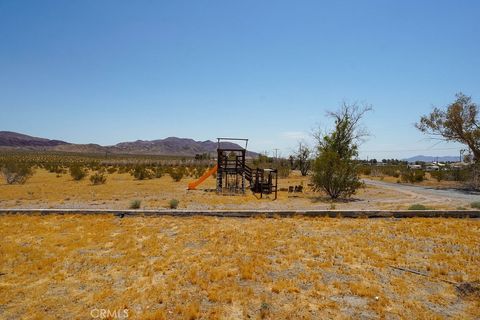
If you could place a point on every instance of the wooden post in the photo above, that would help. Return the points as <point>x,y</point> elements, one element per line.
<point>276,184</point>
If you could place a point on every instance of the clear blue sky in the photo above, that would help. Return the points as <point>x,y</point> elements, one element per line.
<point>111,71</point>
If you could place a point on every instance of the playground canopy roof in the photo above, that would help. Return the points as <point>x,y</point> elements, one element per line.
<point>230,146</point>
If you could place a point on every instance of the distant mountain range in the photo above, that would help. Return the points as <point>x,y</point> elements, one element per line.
<point>432,158</point>
<point>171,146</point>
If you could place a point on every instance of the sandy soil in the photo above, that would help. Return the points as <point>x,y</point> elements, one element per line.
<point>46,190</point>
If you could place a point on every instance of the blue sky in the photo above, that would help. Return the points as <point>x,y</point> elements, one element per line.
<point>111,71</point>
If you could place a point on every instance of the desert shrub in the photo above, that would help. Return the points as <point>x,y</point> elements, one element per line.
<point>263,161</point>
<point>142,172</point>
<point>190,171</point>
<point>16,173</point>
<point>390,170</point>
<point>135,204</point>
<point>417,207</point>
<point>302,159</point>
<point>199,171</point>
<point>54,168</point>
<point>111,170</point>
<point>173,203</point>
<point>158,171</point>
<point>460,175</point>
<point>438,175</point>
<point>366,170</point>
<point>177,173</point>
<point>283,168</point>
<point>101,169</point>
<point>98,178</point>
<point>475,205</point>
<point>413,176</point>
<point>78,172</point>
<point>123,169</point>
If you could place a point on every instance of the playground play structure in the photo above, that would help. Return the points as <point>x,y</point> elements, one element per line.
<point>233,173</point>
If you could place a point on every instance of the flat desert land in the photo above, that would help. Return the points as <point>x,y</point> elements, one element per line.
<point>47,190</point>
<point>77,266</point>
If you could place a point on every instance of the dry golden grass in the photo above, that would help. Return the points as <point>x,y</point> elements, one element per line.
<point>65,266</point>
<point>46,190</point>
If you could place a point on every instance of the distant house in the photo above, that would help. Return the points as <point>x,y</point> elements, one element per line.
<point>414,166</point>
<point>440,164</point>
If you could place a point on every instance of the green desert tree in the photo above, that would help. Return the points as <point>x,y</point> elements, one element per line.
<point>335,169</point>
<point>457,122</point>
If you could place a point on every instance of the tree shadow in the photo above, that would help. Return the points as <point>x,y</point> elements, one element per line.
<point>327,199</point>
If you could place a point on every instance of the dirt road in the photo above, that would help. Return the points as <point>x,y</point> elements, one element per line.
<point>426,192</point>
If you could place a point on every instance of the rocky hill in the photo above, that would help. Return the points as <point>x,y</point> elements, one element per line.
<point>171,146</point>
<point>18,140</point>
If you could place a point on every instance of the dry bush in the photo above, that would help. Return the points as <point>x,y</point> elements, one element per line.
<point>135,204</point>
<point>177,173</point>
<point>141,172</point>
<point>78,172</point>
<point>98,178</point>
<point>16,173</point>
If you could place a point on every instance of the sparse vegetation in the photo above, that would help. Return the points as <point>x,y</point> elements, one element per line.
<point>201,267</point>
<point>141,172</point>
<point>16,173</point>
<point>417,207</point>
<point>283,168</point>
<point>302,159</point>
<point>173,204</point>
<point>135,204</point>
<point>475,205</point>
<point>199,171</point>
<point>177,173</point>
<point>412,176</point>
<point>78,172</point>
<point>47,189</point>
<point>111,170</point>
<point>98,178</point>
<point>158,172</point>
